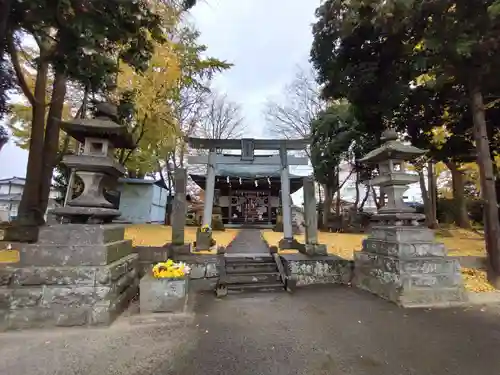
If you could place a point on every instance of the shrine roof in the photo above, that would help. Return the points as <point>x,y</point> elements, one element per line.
<point>265,183</point>
<point>249,170</point>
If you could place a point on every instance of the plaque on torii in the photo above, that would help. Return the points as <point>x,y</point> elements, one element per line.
<point>248,147</point>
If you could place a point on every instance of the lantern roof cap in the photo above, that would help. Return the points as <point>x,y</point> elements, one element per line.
<point>392,148</point>
<point>104,126</point>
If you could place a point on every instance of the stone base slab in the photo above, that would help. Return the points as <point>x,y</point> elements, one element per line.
<point>80,234</point>
<point>37,297</point>
<point>315,249</point>
<point>176,249</point>
<point>56,255</point>
<point>402,233</point>
<point>411,282</point>
<point>302,270</point>
<point>404,249</point>
<point>162,295</point>
<point>291,244</point>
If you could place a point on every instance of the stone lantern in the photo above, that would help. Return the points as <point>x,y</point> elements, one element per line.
<point>84,272</point>
<point>400,259</point>
<point>81,273</point>
<point>393,180</point>
<point>96,166</point>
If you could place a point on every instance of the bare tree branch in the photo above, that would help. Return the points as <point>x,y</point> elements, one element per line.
<point>222,119</point>
<point>291,117</point>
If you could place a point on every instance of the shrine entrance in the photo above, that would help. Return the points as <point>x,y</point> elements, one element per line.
<point>252,207</point>
<point>248,189</point>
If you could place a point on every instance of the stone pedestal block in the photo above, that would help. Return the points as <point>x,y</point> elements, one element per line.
<point>162,295</point>
<point>291,244</point>
<point>204,240</point>
<point>406,266</point>
<point>75,275</point>
<point>35,297</point>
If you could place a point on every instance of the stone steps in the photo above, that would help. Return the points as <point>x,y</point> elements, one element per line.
<point>249,268</point>
<point>258,287</point>
<point>252,273</point>
<point>249,278</point>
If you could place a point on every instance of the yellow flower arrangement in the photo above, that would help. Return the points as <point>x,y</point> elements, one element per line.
<point>170,270</point>
<point>206,228</point>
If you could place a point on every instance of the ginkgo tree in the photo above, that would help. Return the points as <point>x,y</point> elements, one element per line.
<point>151,118</point>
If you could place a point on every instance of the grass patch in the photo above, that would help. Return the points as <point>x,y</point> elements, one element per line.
<point>159,235</point>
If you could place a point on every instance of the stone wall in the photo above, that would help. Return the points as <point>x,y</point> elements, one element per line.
<point>302,270</point>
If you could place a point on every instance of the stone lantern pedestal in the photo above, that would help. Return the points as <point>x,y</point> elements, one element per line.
<point>82,272</point>
<point>400,260</point>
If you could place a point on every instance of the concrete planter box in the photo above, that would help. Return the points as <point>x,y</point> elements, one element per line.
<point>162,295</point>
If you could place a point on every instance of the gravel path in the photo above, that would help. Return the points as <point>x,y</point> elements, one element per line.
<point>317,331</point>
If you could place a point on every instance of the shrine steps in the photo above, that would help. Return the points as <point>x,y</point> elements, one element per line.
<point>251,273</point>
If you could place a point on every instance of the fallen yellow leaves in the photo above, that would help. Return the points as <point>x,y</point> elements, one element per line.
<point>341,244</point>
<point>476,280</point>
<point>159,235</point>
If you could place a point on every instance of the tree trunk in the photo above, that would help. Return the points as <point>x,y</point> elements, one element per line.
<point>4,18</point>
<point>356,201</point>
<point>29,210</point>
<point>51,141</point>
<point>327,205</point>
<point>365,198</point>
<point>337,200</point>
<point>425,198</point>
<point>432,194</point>
<point>375,198</point>
<point>457,181</point>
<point>492,226</point>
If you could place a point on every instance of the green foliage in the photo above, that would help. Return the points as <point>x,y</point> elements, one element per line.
<point>85,40</point>
<point>196,69</point>
<point>333,134</point>
<point>6,84</point>
<point>397,66</point>
<point>4,136</point>
<point>356,62</point>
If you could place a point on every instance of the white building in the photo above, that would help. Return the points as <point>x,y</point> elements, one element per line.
<point>348,190</point>
<point>11,191</point>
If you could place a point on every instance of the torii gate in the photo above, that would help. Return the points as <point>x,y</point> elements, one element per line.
<point>247,147</point>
